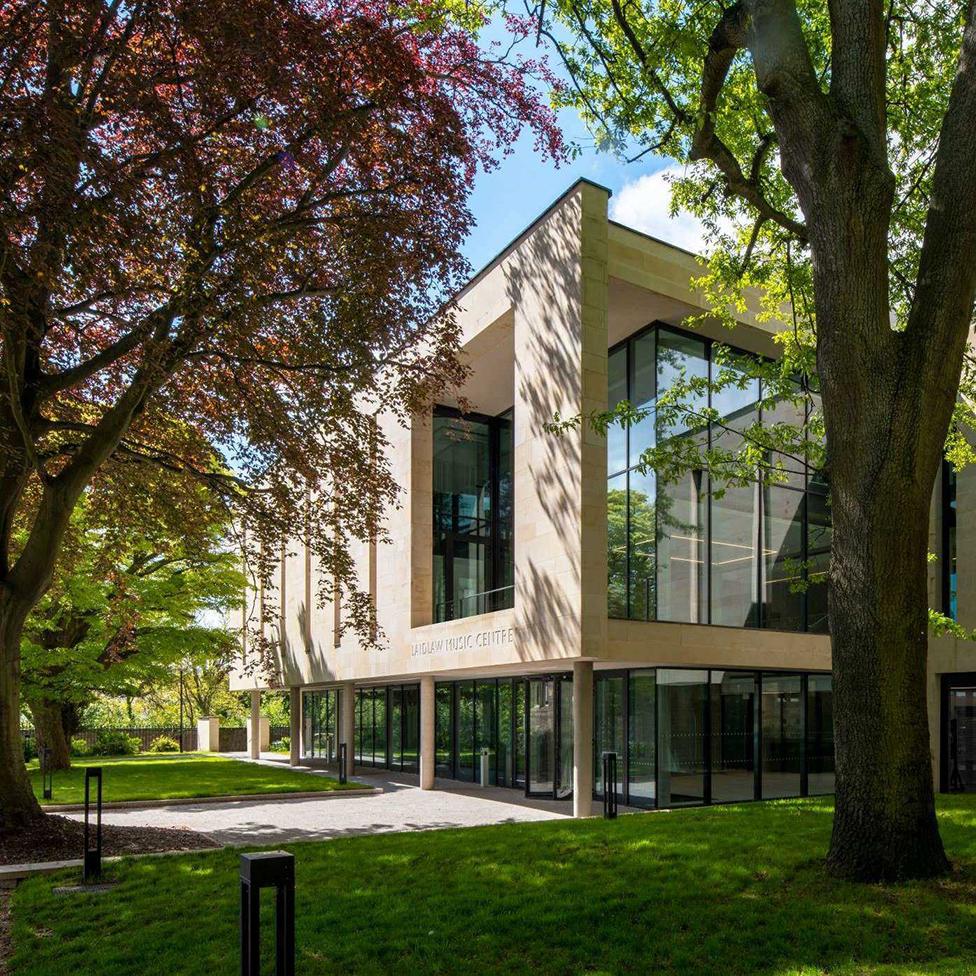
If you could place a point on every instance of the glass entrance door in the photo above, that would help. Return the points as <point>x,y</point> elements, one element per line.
<point>549,736</point>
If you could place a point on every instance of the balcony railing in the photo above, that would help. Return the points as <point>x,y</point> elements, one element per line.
<point>501,598</point>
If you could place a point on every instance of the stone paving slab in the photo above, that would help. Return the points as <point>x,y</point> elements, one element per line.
<point>401,806</point>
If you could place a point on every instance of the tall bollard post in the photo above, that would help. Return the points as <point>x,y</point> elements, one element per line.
<point>93,853</point>
<point>610,785</point>
<point>47,774</point>
<point>342,762</point>
<point>268,869</point>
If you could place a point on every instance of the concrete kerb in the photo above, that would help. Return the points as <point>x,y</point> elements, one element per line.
<point>230,798</point>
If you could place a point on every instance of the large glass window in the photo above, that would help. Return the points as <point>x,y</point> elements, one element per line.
<point>320,713</point>
<point>950,583</point>
<point>741,555</point>
<point>473,524</point>
<point>820,734</point>
<point>782,735</point>
<point>681,715</point>
<point>733,736</point>
<point>641,746</point>
<point>388,727</point>
<point>609,720</point>
<point>444,729</point>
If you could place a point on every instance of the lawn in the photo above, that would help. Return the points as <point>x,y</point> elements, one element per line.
<point>169,777</point>
<point>724,890</point>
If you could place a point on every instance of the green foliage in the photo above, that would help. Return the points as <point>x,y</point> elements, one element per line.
<point>163,743</point>
<point>114,742</point>
<point>30,748</point>
<point>281,745</point>
<point>79,748</point>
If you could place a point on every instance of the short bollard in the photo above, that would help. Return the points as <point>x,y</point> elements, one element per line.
<point>342,762</point>
<point>610,785</point>
<point>93,854</point>
<point>47,774</point>
<point>268,869</point>
<point>485,754</point>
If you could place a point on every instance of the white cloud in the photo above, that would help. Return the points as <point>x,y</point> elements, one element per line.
<point>644,204</point>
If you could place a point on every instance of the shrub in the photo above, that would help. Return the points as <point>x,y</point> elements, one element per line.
<point>163,743</point>
<point>79,747</point>
<point>30,748</point>
<point>281,745</point>
<point>114,742</point>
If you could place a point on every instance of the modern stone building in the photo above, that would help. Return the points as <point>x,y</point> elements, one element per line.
<point>545,602</point>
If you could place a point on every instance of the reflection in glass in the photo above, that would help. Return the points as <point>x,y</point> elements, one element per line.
<point>465,730</point>
<point>818,561</point>
<point>734,581</point>
<point>782,735</point>
<point>782,558</point>
<point>486,718</point>
<point>732,752</point>
<point>608,723</point>
<point>680,549</point>
<point>505,771</point>
<point>617,546</point>
<point>641,764</point>
<point>681,698</point>
<point>518,742</point>
<point>820,734</point>
<point>642,549</point>
<point>542,730</point>
<point>616,391</point>
<point>444,728</point>
<point>564,781</point>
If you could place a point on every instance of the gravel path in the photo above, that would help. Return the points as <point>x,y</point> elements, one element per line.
<point>401,807</point>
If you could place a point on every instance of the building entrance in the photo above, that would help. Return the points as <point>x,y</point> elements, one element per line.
<point>958,773</point>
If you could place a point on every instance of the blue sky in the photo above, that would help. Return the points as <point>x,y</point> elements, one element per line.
<point>510,197</point>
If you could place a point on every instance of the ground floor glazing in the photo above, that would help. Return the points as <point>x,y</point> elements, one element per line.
<point>682,737</point>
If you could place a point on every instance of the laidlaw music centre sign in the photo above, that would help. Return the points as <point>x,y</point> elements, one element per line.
<point>474,640</point>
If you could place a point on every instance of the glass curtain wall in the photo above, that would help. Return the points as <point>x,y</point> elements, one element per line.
<point>505,716</point>
<point>320,717</point>
<point>388,727</point>
<point>752,557</point>
<point>950,585</point>
<point>473,516</point>
<point>687,737</point>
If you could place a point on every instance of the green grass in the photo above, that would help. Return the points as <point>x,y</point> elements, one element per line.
<point>169,777</point>
<point>725,890</point>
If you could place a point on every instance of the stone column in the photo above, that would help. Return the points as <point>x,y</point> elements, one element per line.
<point>295,725</point>
<point>582,738</point>
<point>254,726</point>
<point>428,756</point>
<point>208,734</point>
<point>347,716</point>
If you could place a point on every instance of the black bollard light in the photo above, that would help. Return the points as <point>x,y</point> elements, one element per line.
<point>47,774</point>
<point>268,869</point>
<point>610,785</point>
<point>342,762</point>
<point>93,853</point>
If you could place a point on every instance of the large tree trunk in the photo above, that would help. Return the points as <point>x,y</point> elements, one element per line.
<point>48,716</point>
<point>18,805</point>
<point>885,826</point>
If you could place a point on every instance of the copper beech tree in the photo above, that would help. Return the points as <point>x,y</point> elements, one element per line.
<point>830,147</point>
<point>224,230</point>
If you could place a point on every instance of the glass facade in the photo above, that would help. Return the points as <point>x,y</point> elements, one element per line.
<point>387,730</point>
<point>320,716</point>
<point>689,737</point>
<point>524,724</point>
<point>683,737</point>
<point>750,556</point>
<point>473,523</point>
<point>950,584</point>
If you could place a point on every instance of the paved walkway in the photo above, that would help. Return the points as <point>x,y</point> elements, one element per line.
<point>401,806</point>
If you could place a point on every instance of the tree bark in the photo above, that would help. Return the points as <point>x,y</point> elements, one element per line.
<point>18,805</point>
<point>48,716</point>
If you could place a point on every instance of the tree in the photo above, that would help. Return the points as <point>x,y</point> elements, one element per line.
<point>226,228</point>
<point>122,614</point>
<point>831,149</point>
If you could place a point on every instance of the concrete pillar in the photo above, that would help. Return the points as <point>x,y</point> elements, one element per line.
<point>254,726</point>
<point>347,716</point>
<point>582,738</point>
<point>428,757</point>
<point>208,734</point>
<point>295,725</point>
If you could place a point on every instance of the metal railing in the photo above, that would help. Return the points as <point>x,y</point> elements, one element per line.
<point>500,598</point>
